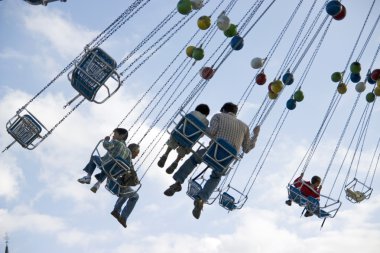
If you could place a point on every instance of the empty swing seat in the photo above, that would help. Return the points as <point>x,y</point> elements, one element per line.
<point>220,155</point>
<point>188,131</point>
<point>356,196</point>
<point>92,72</point>
<point>227,201</point>
<point>193,189</point>
<point>24,130</point>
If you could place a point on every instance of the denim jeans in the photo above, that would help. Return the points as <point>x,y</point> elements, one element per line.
<point>131,197</point>
<point>187,168</point>
<point>91,166</point>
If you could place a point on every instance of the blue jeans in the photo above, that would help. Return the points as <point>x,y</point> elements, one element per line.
<point>131,197</point>
<point>187,168</point>
<point>91,166</point>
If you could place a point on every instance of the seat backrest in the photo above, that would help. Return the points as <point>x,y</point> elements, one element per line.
<point>189,130</point>
<point>227,201</point>
<point>220,155</point>
<point>193,188</point>
<point>116,167</point>
<point>92,72</point>
<point>24,130</point>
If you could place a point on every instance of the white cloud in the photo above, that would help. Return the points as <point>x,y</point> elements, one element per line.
<point>10,178</point>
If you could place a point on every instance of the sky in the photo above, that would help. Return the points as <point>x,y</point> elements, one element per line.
<point>44,209</point>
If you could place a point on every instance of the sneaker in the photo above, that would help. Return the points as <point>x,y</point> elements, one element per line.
<point>288,202</point>
<point>161,162</point>
<point>85,180</point>
<point>123,222</point>
<point>198,206</point>
<point>176,187</point>
<point>171,168</point>
<point>308,214</point>
<point>95,187</point>
<point>115,214</point>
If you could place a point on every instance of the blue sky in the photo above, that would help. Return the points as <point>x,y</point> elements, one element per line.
<point>42,206</point>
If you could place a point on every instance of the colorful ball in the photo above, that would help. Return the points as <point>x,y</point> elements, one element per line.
<point>336,77</point>
<point>204,22</point>
<point>291,104</point>
<point>333,8</point>
<point>355,77</point>
<point>231,31</point>
<point>355,67</point>
<point>272,95</point>
<point>360,87</point>
<point>341,15</point>
<point>197,4</point>
<point>376,91</point>
<point>261,78</point>
<point>375,75</point>
<point>370,97</point>
<point>237,42</point>
<point>198,53</point>
<point>288,78</point>
<point>257,63</point>
<point>223,22</point>
<point>342,88</point>
<point>206,73</point>
<point>277,86</point>
<point>298,96</point>
<point>189,51</point>
<point>184,7</point>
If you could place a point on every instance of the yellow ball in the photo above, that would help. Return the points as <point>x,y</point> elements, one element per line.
<point>204,22</point>
<point>272,95</point>
<point>277,86</point>
<point>189,51</point>
<point>342,88</point>
<point>378,83</point>
<point>376,91</point>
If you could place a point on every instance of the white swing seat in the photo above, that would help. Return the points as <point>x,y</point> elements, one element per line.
<point>356,196</point>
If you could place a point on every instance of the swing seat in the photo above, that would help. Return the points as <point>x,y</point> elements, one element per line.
<point>220,155</point>
<point>313,206</point>
<point>188,131</point>
<point>294,194</point>
<point>193,188</point>
<point>25,129</point>
<point>92,72</point>
<point>116,189</point>
<point>116,168</point>
<point>227,201</point>
<point>357,196</point>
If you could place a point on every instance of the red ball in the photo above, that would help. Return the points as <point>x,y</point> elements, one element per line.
<point>261,79</point>
<point>207,73</point>
<point>375,75</point>
<point>341,15</point>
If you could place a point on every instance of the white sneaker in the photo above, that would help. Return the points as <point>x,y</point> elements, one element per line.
<point>95,187</point>
<point>85,180</point>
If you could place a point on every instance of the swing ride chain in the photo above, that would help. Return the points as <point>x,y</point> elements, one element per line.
<point>129,10</point>
<point>148,37</point>
<point>59,122</point>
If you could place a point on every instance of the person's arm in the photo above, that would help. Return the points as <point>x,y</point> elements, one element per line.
<point>107,144</point>
<point>250,142</point>
<point>214,126</point>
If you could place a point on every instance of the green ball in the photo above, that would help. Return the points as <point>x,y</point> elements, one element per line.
<point>355,67</point>
<point>198,53</point>
<point>298,96</point>
<point>336,77</point>
<point>370,97</point>
<point>184,7</point>
<point>231,31</point>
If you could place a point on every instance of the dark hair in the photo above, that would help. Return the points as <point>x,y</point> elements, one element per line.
<point>123,132</point>
<point>315,179</point>
<point>229,107</point>
<point>203,108</point>
<point>133,146</point>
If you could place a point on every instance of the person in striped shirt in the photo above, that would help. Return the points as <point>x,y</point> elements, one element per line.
<point>115,147</point>
<point>223,125</point>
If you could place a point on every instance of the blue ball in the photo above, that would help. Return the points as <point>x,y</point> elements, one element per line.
<point>237,42</point>
<point>333,8</point>
<point>370,80</point>
<point>288,78</point>
<point>291,104</point>
<point>355,78</point>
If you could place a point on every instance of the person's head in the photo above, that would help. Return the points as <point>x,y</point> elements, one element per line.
<point>203,108</point>
<point>135,149</point>
<point>316,181</point>
<point>229,107</point>
<point>120,134</point>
